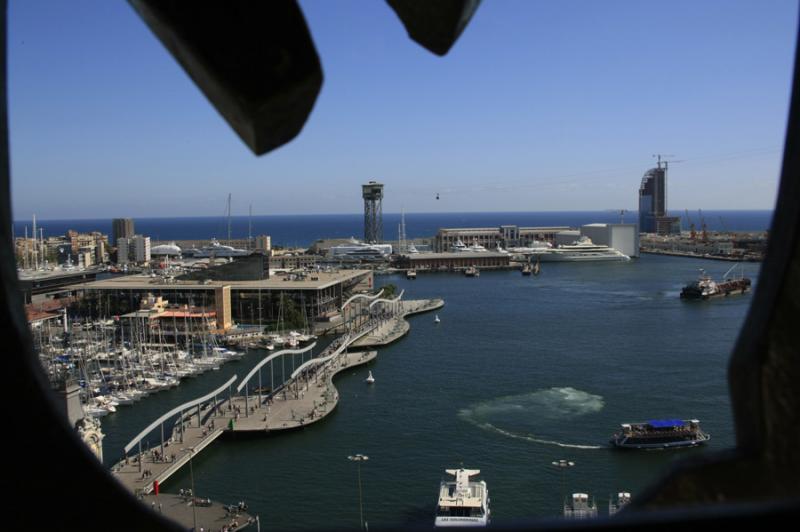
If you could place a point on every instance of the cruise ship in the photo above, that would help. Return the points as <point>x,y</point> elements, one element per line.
<point>215,249</point>
<point>359,250</point>
<point>461,502</point>
<point>581,250</point>
<point>660,434</point>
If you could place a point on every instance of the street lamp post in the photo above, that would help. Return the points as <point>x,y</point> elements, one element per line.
<point>563,465</point>
<point>358,459</point>
<point>191,475</point>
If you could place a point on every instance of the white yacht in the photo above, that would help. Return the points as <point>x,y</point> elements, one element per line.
<point>359,250</point>
<point>476,248</point>
<point>215,249</point>
<point>458,246</point>
<point>462,503</point>
<point>582,249</point>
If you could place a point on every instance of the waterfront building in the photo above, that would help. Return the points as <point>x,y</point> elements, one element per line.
<point>291,261</point>
<point>121,228</point>
<point>165,250</point>
<point>653,203</point>
<point>489,237</point>
<point>100,252</point>
<point>171,322</point>
<point>486,260</point>
<point>318,295</point>
<point>622,237</point>
<point>264,243</point>
<point>135,249</point>
<point>123,251</point>
<point>141,249</point>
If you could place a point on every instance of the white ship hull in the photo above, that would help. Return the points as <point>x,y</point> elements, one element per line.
<point>445,521</point>
<point>580,256</point>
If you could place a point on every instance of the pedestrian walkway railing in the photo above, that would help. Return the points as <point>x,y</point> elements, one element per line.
<point>361,296</point>
<point>395,300</point>
<point>270,358</point>
<point>178,409</point>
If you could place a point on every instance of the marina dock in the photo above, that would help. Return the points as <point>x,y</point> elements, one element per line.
<point>306,397</point>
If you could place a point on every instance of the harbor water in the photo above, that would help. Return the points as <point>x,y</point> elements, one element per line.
<point>520,372</point>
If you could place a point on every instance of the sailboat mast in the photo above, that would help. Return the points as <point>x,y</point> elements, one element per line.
<point>250,227</point>
<point>229,218</point>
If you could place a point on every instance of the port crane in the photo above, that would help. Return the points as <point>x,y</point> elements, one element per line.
<point>692,232</point>
<point>703,225</point>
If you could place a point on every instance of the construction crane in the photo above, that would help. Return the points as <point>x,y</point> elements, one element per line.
<point>621,213</point>
<point>703,225</point>
<point>692,232</point>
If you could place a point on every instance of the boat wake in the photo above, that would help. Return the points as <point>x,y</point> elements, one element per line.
<point>545,407</point>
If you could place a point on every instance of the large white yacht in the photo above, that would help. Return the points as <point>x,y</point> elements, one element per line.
<point>459,246</point>
<point>461,502</point>
<point>359,250</point>
<point>582,249</point>
<point>215,249</point>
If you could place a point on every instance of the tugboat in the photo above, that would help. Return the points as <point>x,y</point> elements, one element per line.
<point>462,503</point>
<point>660,434</point>
<point>704,287</point>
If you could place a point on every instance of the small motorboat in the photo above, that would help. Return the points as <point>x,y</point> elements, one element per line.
<point>370,379</point>
<point>436,319</point>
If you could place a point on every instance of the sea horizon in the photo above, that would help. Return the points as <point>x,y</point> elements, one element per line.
<point>298,230</point>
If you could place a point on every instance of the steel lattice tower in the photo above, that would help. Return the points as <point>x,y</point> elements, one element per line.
<point>372,193</point>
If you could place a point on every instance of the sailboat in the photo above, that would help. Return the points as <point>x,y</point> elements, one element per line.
<point>370,379</point>
<point>436,319</point>
<point>536,267</point>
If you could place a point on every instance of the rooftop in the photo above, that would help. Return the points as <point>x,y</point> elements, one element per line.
<point>312,281</point>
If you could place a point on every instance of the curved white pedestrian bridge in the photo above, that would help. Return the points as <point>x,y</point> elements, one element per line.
<point>253,405</point>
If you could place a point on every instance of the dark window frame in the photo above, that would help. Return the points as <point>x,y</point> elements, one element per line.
<point>753,484</point>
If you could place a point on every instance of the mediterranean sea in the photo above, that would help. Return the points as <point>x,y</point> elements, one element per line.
<point>303,230</point>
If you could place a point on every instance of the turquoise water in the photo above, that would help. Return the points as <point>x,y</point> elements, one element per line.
<point>521,371</point>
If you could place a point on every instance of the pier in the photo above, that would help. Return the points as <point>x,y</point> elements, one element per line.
<point>306,397</point>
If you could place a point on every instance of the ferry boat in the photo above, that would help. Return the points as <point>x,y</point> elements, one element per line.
<point>580,250</point>
<point>704,287</point>
<point>462,502</point>
<point>623,498</point>
<point>580,507</point>
<point>660,434</point>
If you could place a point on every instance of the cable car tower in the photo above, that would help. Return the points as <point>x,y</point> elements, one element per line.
<point>372,193</point>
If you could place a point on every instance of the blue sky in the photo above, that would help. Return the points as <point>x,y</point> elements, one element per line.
<point>539,106</point>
